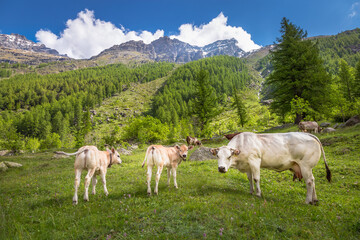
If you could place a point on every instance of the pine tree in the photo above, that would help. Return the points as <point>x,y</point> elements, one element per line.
<point>298,72</point>
<point>205,102</point>
<point>346,80</point>
<point>357,80</point>
<point>240,108</point>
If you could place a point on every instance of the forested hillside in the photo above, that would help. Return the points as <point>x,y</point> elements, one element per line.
<point>176,99</point>
<point>55,108</point>
<point>345,45</point>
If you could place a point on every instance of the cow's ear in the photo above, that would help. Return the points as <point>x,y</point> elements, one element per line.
<point>214,151</point>
<point>177,146</point>
<point>235,152</point>
<point>190,147</point>
<point>113,150</point>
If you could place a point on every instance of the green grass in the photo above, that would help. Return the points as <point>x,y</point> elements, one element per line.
<point>36,201</point>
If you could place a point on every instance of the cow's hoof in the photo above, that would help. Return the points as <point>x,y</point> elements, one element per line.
<point>75,202</point>
<point>176,187</point>
<point>93,193</point>
<point>156,193</point>
<point>149,193</point>
<point>314,202</point>
<point>86,199</point>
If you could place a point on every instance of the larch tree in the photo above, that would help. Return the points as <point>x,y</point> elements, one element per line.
<point>205,103</point>
<point>298,72</point>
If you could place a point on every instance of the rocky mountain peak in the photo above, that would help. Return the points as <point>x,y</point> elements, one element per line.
<point>17,41</point>
<point>174,50</point>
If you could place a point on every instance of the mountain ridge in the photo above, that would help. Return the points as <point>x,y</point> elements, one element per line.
<point>173,50</point>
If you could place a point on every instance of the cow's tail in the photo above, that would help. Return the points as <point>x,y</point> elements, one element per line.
<point>328,172</point>
<point>69,154</point>
<point>149,155</point>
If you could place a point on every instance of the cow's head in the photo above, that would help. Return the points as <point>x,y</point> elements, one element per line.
<point>114,157</point>
<point>183,150</point>
<point>225,156</point>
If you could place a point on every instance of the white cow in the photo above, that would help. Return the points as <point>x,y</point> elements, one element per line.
<point>160,156</point>
<point>96,162</point>
<point>298,152</point>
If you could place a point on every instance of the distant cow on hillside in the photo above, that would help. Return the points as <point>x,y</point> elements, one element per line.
<point>231,135</point>
<point>193,141</point>
<point>309,126</point>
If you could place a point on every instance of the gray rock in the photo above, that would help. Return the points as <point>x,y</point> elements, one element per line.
<point>328,130</point>
<point>352,121</point>
<point>123,151</point>
<point>4,152</point>
<point>3,167</point>
<point>202,154</point>
<point>325,124</point>
<point>12,164</point>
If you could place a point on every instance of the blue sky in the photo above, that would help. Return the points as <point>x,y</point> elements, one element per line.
<point>255,22</point>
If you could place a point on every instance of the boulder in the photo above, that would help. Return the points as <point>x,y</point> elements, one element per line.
<point>3,167</point>
<point>201,154</point>
<point>328,130</point>
<point>12,164</point>
<point>352,121</point>
<point>4,152</point>
<point>325,124</point>
<point>123,151</point>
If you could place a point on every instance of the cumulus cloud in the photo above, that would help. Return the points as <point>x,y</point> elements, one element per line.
<point>355,7</point>
<point>216,29</point>
<point>86,36</point>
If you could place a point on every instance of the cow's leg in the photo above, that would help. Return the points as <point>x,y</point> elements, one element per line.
<point>103,179</point>
<point>94,182</point>
<point>255,172</point>
<point>88,177</point>
<point>168,175</point>
<point>76,185</point>
<point>148,178</point>
<point>157,178</point>
<point>173,170</point>
<point>310,185</point>
<point>249,175</point>
<point>314,197</point>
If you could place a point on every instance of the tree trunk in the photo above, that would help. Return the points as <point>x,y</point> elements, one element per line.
<point>298,118</point>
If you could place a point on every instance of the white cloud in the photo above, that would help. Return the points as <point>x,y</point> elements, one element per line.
<point>355,7</point>
<point>86,36</point>
<point>216,29</point>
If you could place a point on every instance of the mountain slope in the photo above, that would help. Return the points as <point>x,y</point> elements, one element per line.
<point>170,50</point>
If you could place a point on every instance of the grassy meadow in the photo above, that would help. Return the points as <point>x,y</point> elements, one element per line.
<point>36,200</point>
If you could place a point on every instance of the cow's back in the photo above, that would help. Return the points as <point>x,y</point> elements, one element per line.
<point>276,150</point>
<point>88,158</point>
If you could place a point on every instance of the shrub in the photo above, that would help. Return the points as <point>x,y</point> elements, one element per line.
<point>32,144</point>
<point>146,129</point>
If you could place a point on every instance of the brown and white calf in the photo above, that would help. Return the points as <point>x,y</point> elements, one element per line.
<point>298,152</point>
<point>96,162</point>
<point>192,141</point>
<point>309,126</point>
<point>160,156</point>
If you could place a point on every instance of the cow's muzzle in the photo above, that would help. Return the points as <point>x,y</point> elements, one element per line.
<point>222,169</point>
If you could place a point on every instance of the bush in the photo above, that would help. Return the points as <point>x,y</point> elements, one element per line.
<point>146,130</point>
<point>32,144</point>
<point>51,141</point>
